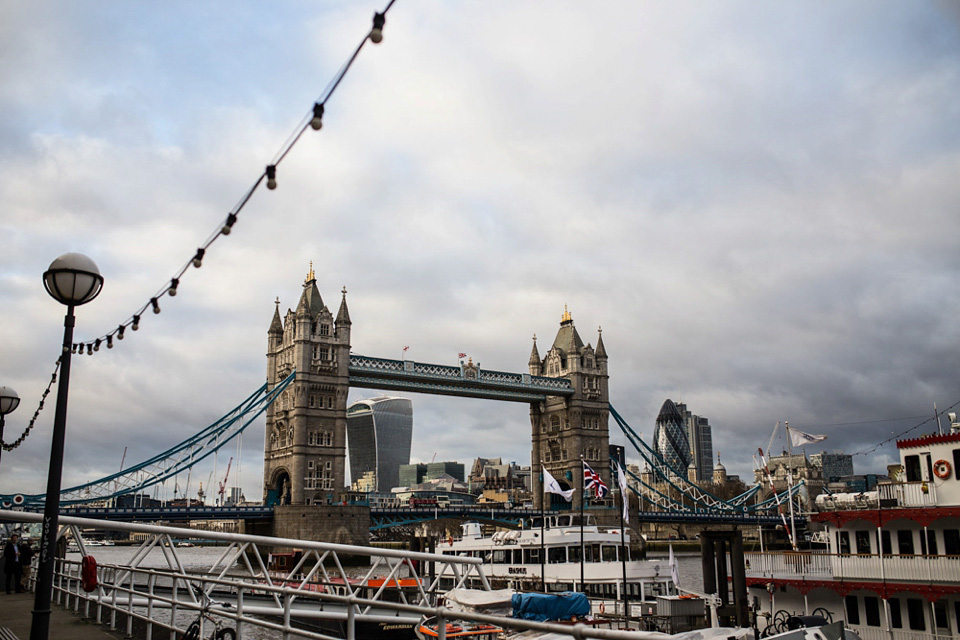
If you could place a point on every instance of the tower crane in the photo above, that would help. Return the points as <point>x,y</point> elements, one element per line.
<point>223,485</point>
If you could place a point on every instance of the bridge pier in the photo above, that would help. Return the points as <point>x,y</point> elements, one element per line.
<point>716,547</point>
<point>315,523</point>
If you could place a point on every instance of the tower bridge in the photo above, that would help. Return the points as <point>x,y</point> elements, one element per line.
<point>309,373</point>
<point>305,439</point>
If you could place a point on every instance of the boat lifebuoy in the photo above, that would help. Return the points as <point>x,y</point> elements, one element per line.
<point>941,469</point>
<point>603,609</point>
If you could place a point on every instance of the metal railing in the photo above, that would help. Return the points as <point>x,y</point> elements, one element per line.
<point>866,566</point>
<point>316,588</point>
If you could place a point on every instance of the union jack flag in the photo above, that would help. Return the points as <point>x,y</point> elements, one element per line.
<point>592,479</point>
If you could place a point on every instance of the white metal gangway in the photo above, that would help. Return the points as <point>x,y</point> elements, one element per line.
<point>248,595</point>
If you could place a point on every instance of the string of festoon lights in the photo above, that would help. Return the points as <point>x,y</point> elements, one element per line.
<point>314,120</point>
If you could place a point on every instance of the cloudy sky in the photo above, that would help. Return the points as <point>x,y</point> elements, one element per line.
<point>758,202</point>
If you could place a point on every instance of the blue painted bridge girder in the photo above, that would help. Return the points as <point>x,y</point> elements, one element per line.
<point>464,381</point>
<point>386,518</point>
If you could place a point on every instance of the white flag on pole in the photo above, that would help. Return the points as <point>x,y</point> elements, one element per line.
<point>673,568</point>
<point>550,485</point>
<point>622,481</point>
<point>799,438</point>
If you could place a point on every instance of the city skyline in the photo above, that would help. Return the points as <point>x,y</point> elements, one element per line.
<point>756,204</point>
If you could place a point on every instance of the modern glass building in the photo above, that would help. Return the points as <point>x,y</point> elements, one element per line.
<point>670,438</point>
<point>379,432</point>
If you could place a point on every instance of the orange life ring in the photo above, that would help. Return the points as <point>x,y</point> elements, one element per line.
<point>941,469</point>
<point>603,609</point>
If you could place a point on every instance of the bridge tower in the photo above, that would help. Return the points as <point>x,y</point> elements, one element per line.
<point>563,429</point>
<point>305,448</point>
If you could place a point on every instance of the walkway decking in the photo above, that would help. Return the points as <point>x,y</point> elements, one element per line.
<point>16,614</point>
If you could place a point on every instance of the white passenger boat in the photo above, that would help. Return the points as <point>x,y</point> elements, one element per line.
<point>512,559</point>
<point>891,563</point>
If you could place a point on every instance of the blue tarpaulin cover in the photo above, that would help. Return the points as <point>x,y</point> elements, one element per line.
<point>541,607</point>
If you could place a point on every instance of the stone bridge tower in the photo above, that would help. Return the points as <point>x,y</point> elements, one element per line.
<point>305,448</point>
<point>563,429</point>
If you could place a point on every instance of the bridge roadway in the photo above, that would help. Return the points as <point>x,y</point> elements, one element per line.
<point>385,518</point>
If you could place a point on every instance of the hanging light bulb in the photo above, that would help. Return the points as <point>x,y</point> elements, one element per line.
<point>136,323</point>
<point>271,176</point>
<point>174,283</point>
<point>198,259</point>
<point>74,350</point>
<point>231,220</point>
<point>96,346</point>
<point>120,331</point>
<point>376,34</point>
<point>317,122</point>
<point>156,305</point>
<point>110,341</point>
<point>89,349</point>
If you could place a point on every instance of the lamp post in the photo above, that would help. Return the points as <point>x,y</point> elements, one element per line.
<point>72,279</point>
<point>9,400</point>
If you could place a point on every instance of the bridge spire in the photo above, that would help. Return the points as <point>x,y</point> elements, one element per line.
<point>343,316</point>
<point>535,361</point>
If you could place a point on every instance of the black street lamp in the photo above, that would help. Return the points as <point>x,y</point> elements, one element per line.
<point>9,400</point>
<point>72,279</point>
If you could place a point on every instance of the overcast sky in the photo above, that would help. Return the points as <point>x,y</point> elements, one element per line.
<point>758,202</point>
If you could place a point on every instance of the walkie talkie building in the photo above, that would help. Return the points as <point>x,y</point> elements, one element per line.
<point>379,432</point>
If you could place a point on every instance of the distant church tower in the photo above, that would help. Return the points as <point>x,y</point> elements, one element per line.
<point>563,429</point>
<point>305,446</point>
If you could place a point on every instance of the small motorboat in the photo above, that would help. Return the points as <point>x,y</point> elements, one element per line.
<point>427,630</point>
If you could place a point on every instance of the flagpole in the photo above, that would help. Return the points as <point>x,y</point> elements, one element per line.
<point>793,530</point>
<point>623,548</point>
<point>543,546</point>
<point>583,498</point>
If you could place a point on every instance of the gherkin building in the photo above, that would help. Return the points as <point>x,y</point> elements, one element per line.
<point>670,439</point>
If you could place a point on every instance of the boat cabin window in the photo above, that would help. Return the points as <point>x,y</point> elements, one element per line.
<point>609,553</point>
<point>843,542</point>
<point>863,542</point>
<point>956,464</point>
<point>531,556</point>
<point>500,557</point>
<point>573,553</point>
<point>911,465</point>
<point>884,543</point>
<point>557,555</point>
<point>940,617</point>
<point>871,608</point>
<point>654,589</point>
<point>915,614</point>
<point>564,521</point>
<point>928,544</point>
<point>852,608</point>
<point>896,619</point>
<point>905,542</point>
<point>951,543</point>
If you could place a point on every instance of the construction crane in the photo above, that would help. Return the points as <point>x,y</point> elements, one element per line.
<point>223,485</point>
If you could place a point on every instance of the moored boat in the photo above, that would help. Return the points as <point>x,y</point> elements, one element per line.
<point>889,559</point>
<point>512,559</point>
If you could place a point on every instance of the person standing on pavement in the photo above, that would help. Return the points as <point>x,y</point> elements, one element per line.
<point>11,563</point>
<point>26,556</point>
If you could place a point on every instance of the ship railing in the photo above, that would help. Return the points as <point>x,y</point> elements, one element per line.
<point>909,494</point>
<point>882,633</point>
<point>853,566</point>
<point>788,563</point>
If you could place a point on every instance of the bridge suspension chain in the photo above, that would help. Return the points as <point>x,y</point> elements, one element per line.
<point>179,458</point>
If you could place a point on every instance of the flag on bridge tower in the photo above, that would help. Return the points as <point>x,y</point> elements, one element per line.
<point>462,355</point>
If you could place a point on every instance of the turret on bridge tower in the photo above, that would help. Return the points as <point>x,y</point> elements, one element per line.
<point>566,427</point>
<point>305,447</point>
